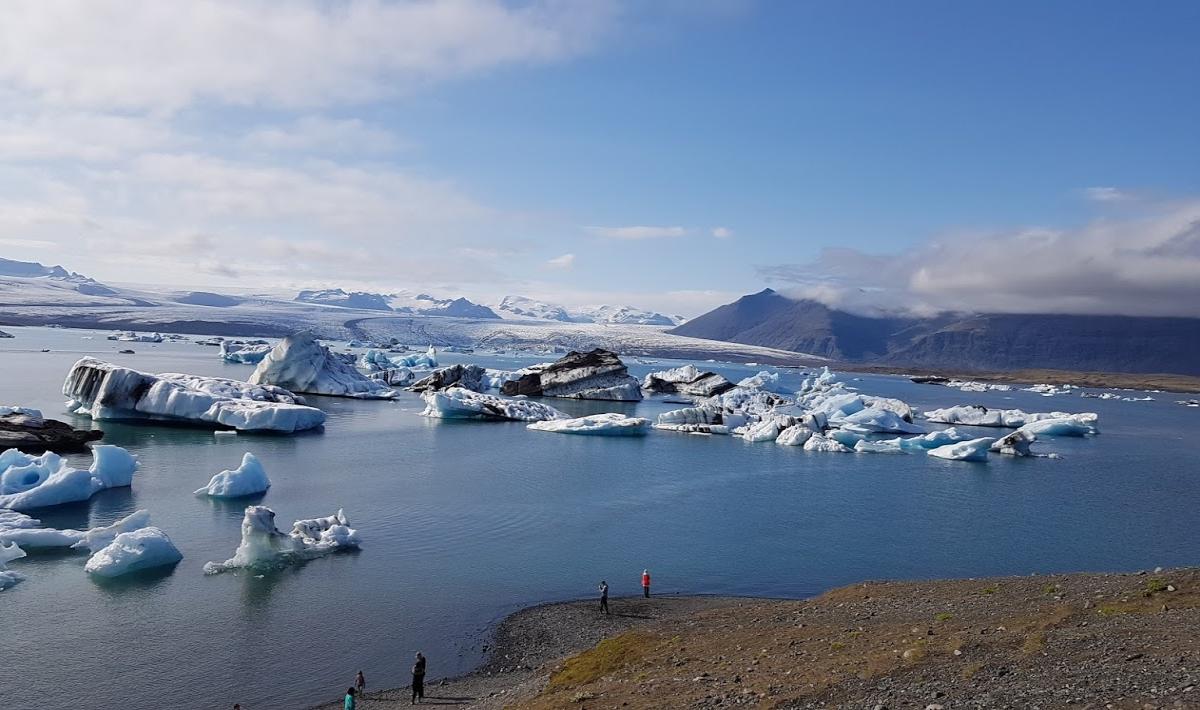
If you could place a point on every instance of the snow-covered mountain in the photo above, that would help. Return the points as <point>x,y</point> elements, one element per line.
<point>32,269</point>
<point>518,307</point>
<point>345,299</point>
<point>399,302</point>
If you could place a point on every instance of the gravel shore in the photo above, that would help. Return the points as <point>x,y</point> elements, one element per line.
<point>1055,641</point>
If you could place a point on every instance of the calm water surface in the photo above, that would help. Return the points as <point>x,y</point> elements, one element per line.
<point>464,522</point>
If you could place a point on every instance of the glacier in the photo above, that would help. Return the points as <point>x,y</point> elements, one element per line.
<point>263,546</point>
<point>103,390</point>
<point>28,482</point>
<point>459,403</point>
<point>250,478</point>
<point>611,424</point>
<point>301,364</point>
<point>134,551</point>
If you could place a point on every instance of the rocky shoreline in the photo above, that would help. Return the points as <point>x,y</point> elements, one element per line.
<point>1071,640</point>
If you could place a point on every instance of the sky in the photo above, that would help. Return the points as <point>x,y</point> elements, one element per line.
<point>668,154</point>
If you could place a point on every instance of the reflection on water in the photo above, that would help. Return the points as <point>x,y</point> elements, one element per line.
<point>463,522</point>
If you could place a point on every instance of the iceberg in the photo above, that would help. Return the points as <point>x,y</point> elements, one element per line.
<point>883,421</point>
<point>246,480</point>
<point>102,390</point>
<point>598,374</point>
<point>765,430</point>
<point>8,553</point>
<point>934,439</point>
<point>264,547</point>
<point>888,446</point>
<point>973,450</point>
<point>1015,444</point>
<point>766,381</point>
<point>245,354</point>
<point>978,415</point>
<point>459,403</point>
<point>301,364</point>
<point>28,482</point>
<point>1066,425</point>
<point>469,377</point>
<point>29,533</point>
<point>795,435</point>
<point>611,424</point>
<point>142,549</point>
<point>706,419</point>
<point>820,442</point>
<point>131,337</point>
<point>847,438</point>
<point>395,377</point>
<point>686,380</point>
<point>428,360</point>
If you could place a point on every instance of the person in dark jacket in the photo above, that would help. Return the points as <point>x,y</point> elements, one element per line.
<point>418,681</point>
<point>604,596</point>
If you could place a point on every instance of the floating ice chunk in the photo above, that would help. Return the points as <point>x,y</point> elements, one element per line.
<point>33,414</point>
<point>765,380</point>
<point>1015,444</point>
<point>263,546</point>
<point>611,424</point>
<point>847,438</point>
<point>978,415</point>
<point>102,390</point>
<point>598,374</point>
<point>8,553</point>
<point>301,364</point>
<point>428,360</point>
<point>705,419</point>
<point>466,376</point>
<point>973,450</point>
<point>459,403</point>
<point>1050,390</point>
<point>1066,425</point>
<point>375,361</point>
<point>686,380</point>
<point>246,480</point>
<point>142,549</point>
<point>820,442</point>
<point>888,446</point>
<point>871,420</point>
<point>39,481</point>
<point>766,430</point>
<point>795,435</point>
<point>243,353</point>
<point>28,532</point>
<point>934,439</point>
<point>129,336</point>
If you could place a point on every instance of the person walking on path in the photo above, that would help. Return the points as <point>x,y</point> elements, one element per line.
<point>360,684</point>
<point>349,702</point>
<point>604,596</point>
<point>646,583</point>
<point>418,681</point>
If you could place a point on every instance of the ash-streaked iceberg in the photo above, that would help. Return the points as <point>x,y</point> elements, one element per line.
<point>146,548</point>
<point>610,424</point>
<point>263,546</point>
<point>301,364</point>
<point>973,450</point>
<point>470,377</point>
<point>28,482</point>
<point>250,478</point>
<point>459,403</point>
<point>686,380</point>
<point>598,374</point>
<point>1016,443</point>
<point>103,390</point>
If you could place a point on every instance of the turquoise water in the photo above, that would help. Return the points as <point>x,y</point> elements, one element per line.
<point>464,522</point>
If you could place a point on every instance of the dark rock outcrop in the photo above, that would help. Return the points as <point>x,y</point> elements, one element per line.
<point>34,434</point>
<point>598,374</point>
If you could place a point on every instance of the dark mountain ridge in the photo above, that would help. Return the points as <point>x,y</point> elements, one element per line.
<point>980,342</point>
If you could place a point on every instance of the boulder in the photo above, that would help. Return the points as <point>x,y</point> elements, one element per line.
<point>34,434</point>
<point>598,374</point>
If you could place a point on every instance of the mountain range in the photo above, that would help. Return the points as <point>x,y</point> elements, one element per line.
<point>959,342</point>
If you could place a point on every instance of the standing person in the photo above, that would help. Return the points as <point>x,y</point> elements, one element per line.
<point>348,704</point>
<point>604,596</point>
<point>418,681</point>
<point>646,583</point>
<point>360,684</point>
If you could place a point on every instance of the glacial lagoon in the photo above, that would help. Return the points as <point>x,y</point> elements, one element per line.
<point>464,522</point>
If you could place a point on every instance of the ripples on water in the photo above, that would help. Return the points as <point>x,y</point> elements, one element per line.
<point>463,522</point>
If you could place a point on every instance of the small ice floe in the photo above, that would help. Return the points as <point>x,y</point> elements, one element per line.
<point>135,551</point>
<point>8,553</point>
<point>611,424</point>
<point>250,478</point>
<point>263,546</point>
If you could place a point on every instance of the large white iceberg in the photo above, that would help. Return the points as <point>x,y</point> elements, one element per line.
<point>28,482</point>
<point>301,364</point>
<point>141,549</point>
<point>978,415</point>
<point>102,390</point>
<point>610,424</point>
<point>973,450</point>
<point>795,435</point>
<point>1067,425</point>
<point>871,420</point>
<point>248,479</point>
<point>263,546</point>
<point>8,553</point>
<point>243,353</point>
<point>459,403</point>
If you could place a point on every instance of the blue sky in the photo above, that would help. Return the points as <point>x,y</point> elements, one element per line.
<point>487,147</point>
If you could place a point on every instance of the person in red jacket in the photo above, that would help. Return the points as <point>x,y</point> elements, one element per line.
<point>646,583</point>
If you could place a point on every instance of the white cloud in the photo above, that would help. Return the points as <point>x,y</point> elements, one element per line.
<point>722,232</point>
<point>79,135</point>
<point>1106,194</point>
<point>148,55</point>
<point>1146,265</point>
<point>566,261</point>
<point>317,135</point>
<point>636,232</point>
